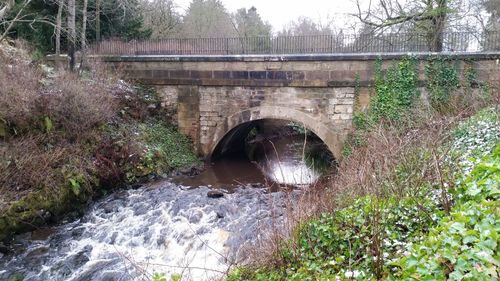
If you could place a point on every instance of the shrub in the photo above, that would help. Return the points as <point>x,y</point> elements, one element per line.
<point>136,150</point>
<point>76,106</point>
<point>65,138</point>
<point>19,87</point>
<point>30,102</point>
<point>465,244</point>
<point>474,138</point>
<point>399,209</point>
<point>29,163</point>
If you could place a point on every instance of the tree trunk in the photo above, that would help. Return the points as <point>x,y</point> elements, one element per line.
<point>437,30</point>
<point>83,37</point>
<point>72,33</point>
<point>98,21</point>
<point>84,25</point>
<point>16,18</point>
<point>58,27</point>
<point>5,9</point>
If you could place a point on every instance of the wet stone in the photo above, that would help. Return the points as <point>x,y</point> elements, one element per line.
<point>215,194</point>
<point>3,249</point>
<point>136,186</point>
<point>112,238</point>
<point>226,210</point>
<point>202,230</point>
<point>36,253</point>
<point>61,269</point>
<point>77,232</point>
<point>93,273</point>
<point>111,207</point>
<point>80,258</point>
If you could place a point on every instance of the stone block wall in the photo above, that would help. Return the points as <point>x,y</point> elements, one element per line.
<point>212,95</point>
<point>207,113</point>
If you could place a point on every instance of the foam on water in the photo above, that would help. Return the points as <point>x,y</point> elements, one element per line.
<point>163,228</point>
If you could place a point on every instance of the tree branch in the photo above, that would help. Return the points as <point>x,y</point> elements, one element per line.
<point>18,15</point>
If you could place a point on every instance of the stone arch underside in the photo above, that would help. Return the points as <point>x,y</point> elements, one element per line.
<point>331,137</point>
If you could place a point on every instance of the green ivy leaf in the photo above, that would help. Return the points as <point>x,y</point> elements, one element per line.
<point>48,124</point>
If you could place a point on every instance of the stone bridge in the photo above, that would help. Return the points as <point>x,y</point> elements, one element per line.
<point>215,96</point>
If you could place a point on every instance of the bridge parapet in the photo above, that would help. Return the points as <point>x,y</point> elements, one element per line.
<point>214,94</point>
<point>326,70</point>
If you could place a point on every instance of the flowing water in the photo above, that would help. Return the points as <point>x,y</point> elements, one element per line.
<point>170,226</point>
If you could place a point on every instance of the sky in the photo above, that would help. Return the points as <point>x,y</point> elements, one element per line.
<point>280,12</point>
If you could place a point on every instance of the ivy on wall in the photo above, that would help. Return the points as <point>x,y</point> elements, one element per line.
<point>396,89</point>
<point>442,80</point>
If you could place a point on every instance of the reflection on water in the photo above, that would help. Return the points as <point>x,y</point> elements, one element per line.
<point>287,160</point>
<point>227,173</point>
<point>284,161</point>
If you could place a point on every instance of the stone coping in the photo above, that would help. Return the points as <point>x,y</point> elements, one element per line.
<point>297,57</point>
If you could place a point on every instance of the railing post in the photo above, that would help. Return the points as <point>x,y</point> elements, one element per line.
<point>338,43</point>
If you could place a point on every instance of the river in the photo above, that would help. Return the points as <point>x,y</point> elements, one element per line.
<point>172,226</point>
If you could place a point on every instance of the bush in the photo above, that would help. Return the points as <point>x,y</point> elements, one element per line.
<point>65,103</point>
<point>76,106</point>
<point>465,244</point>
<point>19,88</point>
<point>400,209</point>
<point>31,164</point>
<point>66,138</point>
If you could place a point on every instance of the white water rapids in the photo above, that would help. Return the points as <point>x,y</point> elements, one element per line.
<point>160,228</point>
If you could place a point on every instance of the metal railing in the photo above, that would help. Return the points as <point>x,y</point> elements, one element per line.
<point>314,44</point>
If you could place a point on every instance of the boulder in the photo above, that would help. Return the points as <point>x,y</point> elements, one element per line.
<point>215,194</point>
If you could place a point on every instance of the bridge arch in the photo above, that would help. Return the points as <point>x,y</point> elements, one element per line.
<point>331,137</point>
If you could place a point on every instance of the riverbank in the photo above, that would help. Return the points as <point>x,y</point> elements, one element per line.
<point>416,197</point>
<point>66,139</point>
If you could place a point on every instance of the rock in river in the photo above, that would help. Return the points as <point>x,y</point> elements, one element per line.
<point>215,194</point>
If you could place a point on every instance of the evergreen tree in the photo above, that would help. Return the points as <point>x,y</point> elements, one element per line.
<point>248,23</point>
<point>207,18</point>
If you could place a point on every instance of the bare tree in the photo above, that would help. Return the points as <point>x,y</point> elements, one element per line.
<point>72,33</point>
<point>491,24</point>
<point>83,37</point>
<point>427,15</point>
<point>83,34</point>
<point>59,26</point>
<point>98,20</point>
<point>160,16</point>
<point>304,26</point>
<point>17,18</point>
<point>5,8</point>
